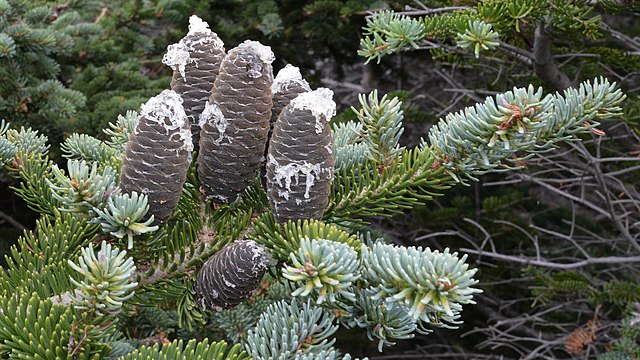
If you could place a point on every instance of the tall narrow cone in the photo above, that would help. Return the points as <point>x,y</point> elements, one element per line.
<point>158,154</point>
<point>235,122</point>
<point>300,160</point>
<point>195,61</point>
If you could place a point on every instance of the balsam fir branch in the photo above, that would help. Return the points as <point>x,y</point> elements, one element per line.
<point>123,216</point>
<point>119,132</point>
<point>192,350</point>
<point>213,245</point>
<point>7,148</point>
<point>486,138</point>
<point>383,321</point>
<point>34,39</point>
<point>85,147</point>
<point>85,188</point>
<point>523,32</point>
<point>43,328</point>
<point>31,164</point>
<point>387,32</point>
<point>287,329</point>
<point>324,269</point>
<point>349,147</point>
<point>52,243</point>
<point>106,279</point>
<point>448,288</point>
<point>479,36</point>
<point>382,126</point>
<point>514,125</point>
<point>432,285</point>
<point>281,241</point>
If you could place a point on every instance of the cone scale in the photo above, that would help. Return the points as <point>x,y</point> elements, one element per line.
<point>286,86</point>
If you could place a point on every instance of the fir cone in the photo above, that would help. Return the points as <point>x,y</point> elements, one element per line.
<point>300,160</point>
<point>286,86</point>
<point>195,61</point>
<point>235,122</point>
<point>231,275</point>
<point>158,154</point>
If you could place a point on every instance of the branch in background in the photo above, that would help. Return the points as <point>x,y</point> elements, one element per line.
<point>624,39</point>
<point>410,11</point>
<point>553,265</point>
<point>15,223</point>
<point>543,63</point>
<point>520,54</point>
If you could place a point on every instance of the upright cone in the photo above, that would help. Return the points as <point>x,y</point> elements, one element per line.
<point>195,61</point>
<point>158,154</point>
<point>300,159</point>
<point>286,86</point>
<point>235,122</point>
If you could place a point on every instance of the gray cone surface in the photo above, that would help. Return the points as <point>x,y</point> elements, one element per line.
<point>200,74</point>
<point>231,275</point>
<point>299,166</point>
<point>155,162</point>
<point>232,149</point>
<point>281,99</point>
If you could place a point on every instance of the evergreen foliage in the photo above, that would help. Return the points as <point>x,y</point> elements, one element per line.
<point>191,351</point>
<point>107,279</point>
<point>479,47</point>
<point>291,28</point>
<point>286,329</point>
<point>33,37</point>
<point>212,248</point>
<point>316,268</point>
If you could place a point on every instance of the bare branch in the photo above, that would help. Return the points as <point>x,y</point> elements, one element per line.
<point>15,223</point>
<point>554,265</point>
<point>427,11</point>
<point>543,63</point>
<point>521,54</point>
<point>624,39</point>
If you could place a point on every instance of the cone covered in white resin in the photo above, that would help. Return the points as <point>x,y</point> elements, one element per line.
<point>235,122</point>
<point>300,159</point>
<point>158,154</point>
<point>231,275</point>
<point>195,61</point>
